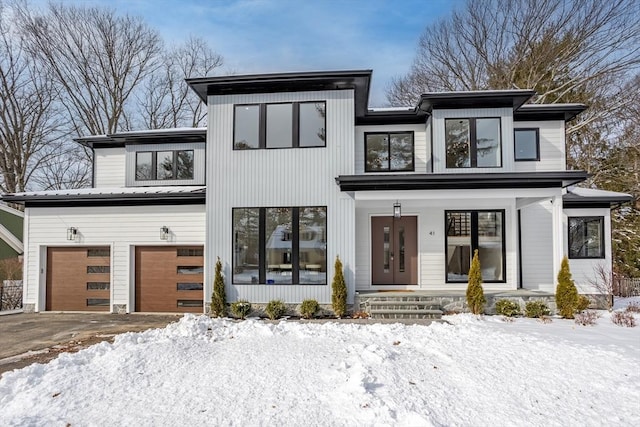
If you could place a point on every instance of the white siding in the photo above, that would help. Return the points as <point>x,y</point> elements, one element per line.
<point>537,247</point>
<point>280,177</point>
<point>422,152</point>
<point>198,163</point>
<point>552,147</point>
<point>109,167</point>
<point>439,142</point>
<point>117,227</point>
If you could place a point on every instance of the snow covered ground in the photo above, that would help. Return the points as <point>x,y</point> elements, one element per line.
<point>470,372</point>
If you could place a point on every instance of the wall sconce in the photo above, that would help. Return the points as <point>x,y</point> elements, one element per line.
<point>164,233</point>
<point>397,210</point>
<point>72,233</point>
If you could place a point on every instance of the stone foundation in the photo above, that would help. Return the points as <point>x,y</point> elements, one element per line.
<point>29,308</point>
<point>119,308</point>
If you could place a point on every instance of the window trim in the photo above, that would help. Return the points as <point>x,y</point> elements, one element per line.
<point>603,251</point>
<point>413,151</point>
<point>262,125</point>
<point>474,241</point>
<point>154,165</point>
<point>515,152</point>
<point>473,149</point>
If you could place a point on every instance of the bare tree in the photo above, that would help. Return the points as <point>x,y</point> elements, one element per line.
<point>166,100</point>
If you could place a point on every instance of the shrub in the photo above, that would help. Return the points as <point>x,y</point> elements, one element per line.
<point>545,319</point>
<point>241,308</point>
<point>218,298</point>
<point>623,318</point>
<point>309,308</point>
<point>475,293</point>
<point>276,309</point>
<point>536,309</point>
<point>633,307</point>
<point>583,303</point>
<point>586,318</point>
<point>507,308</point>
<point>566,292</point>
<point>360,315</point>
<point>338,290</point>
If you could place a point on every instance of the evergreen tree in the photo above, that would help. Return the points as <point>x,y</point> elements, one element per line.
<point>566,292</point>
<point>218,298</point>
<point>475,293</point>
<point>339,290</point>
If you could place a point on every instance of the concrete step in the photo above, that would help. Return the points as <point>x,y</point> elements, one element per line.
<point>405,313</point>
<point>403,305</point>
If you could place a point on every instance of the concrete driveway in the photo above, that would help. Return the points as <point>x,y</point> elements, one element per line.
<point>23,337</point>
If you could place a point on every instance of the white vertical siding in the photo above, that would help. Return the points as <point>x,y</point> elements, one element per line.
<point>109,167</point>
<point>280,177</point>
<point>552,147</point>
<point>537,247</point>
<point>440,146</point>
<point>112,226</point>
<point>422,151</point>
<point>198,163</point>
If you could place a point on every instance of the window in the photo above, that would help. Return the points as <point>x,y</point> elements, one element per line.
<point>586,237</point>
<point>189,269</point>
<point>97,302</point>
<point>474,143</point>
<point>98,286</point>
<point>189,252</point>
<point>471,230</point>
<point>190,303</point>
<point>98,269</point>
<point>527,144</point>
<point>164,165</point>
<point>280,245</point>
<point>284,125</point>
<point>191,286</point>
<point>98,252</point>
<point>389,151</point>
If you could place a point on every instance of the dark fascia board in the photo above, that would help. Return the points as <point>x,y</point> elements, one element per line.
<point>460,181</point>
<point>359,80</point>
<point>192,198</point>
<point>571,200</point>
<point>413,116</point>
<point>533,112</point>
<point>474,99</point>
<point>144,137</point>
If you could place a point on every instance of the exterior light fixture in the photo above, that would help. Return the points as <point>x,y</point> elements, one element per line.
<point>72,233</point>
<point>397,210</point>
<point>164,233</point>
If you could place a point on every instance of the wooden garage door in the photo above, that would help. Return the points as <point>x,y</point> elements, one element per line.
<point>169,279</point>
<point>78,279</point>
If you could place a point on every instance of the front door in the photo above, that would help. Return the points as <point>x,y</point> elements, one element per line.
<point>394,250</point>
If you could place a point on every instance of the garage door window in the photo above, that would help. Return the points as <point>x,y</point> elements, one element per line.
<point>98,269</point>
<point>190,269</point>
<point>189,303</point>
<point>97,302</point>
<point>190,252</point>
<point>98,252</point>
<point>98,286</point>
<point>190,286</point>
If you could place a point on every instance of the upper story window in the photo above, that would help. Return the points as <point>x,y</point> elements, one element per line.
<point>389,152</point>
<point>527,144</point>
<point>586,237</point>
<point>284,125</point>
<point>164,165</point>
<point>473,143</point>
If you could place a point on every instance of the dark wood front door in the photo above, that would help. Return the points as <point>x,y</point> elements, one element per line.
<point>394,250</point>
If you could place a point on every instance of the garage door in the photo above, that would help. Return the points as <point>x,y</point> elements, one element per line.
<point>169,279</point>
<point>78,279</point>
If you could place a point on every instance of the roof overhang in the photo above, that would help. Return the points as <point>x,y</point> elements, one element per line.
<point>532,112</point>
<point>392,117</point>
<point>589,198</point>
<point>460,181</point>
<point>107,199</point>
<point>155,136</point>
<point>474,99</point>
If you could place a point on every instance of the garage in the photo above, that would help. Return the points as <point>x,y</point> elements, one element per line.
<point>169,279</point>
<point>78,279</point>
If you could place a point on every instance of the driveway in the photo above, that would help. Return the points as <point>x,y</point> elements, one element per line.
<point>39,337</point>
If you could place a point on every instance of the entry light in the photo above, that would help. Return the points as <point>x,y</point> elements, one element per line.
<point>72,233</point>
<point>164,233</point>
<point>397,210</point>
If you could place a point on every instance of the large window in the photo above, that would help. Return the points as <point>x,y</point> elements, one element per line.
<point>471,230</point>
<point>586,237</point>
<point>164,165</point>
<point>473,143</point>
<point>527,144</point>
<point>388,151</point>
<point>285,245</point>
<point>284,125</point>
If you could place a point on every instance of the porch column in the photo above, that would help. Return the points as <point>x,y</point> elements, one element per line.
<point>557,230</point>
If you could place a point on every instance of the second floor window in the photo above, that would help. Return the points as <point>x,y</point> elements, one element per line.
<point>164,165</point>
<point>527,144</point>
<point>473,143</point>
<point>283,125</point>
<point>388,152</point>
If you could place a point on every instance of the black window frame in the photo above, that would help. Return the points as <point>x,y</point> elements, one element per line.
<point>473,149</point>
<point>262,125</point>
<point>515,149</point>
<point>474,241</point>
<point>388,134</point>
<point>602,254</point>
<point>154,165</point>
<point>295,245</point>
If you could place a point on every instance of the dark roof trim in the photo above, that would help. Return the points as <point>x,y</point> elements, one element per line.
<point>134,199</point>
<point>474,99</point>
<point>532,112</point>
<point>391,117</point>
<point>571,200</point>
<point>460,181</point>
<point>145,137</point>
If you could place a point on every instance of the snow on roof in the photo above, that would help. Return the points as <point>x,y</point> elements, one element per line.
<point>114,191</point>
<point>383,109</point>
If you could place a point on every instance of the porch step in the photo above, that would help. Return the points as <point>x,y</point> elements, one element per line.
<point>399,309</point>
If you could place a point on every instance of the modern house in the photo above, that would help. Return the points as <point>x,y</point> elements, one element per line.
<point>294,170</point>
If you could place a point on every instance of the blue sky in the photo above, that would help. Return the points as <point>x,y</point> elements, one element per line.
<point>260,36</point>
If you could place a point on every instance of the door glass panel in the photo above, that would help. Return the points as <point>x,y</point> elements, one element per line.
<point>401,248</point>
<point>312,260</point>
<point>246,244</point>
<point>279,237</point>
<point>458,246</point>
<point>386,249</point>
<point>490,245</point>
